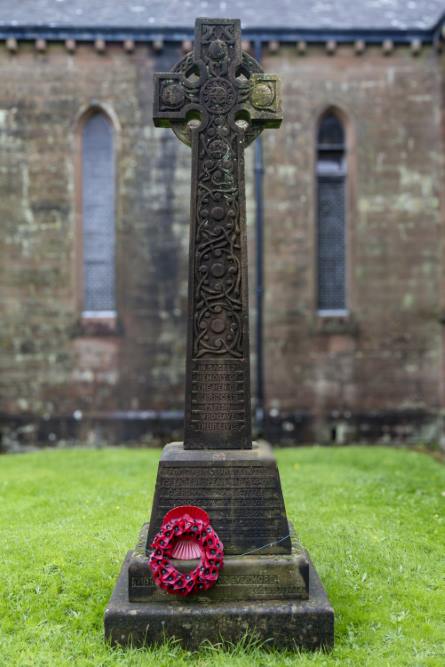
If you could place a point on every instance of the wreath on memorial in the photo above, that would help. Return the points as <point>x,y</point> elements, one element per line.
<point>186,534</point>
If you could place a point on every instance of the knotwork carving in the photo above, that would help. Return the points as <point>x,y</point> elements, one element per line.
<point>186,67</point>
<point>217,100</point>
<point>218,305</point>
<point>218,95</point>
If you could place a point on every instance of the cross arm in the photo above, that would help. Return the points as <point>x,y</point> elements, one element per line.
<point>172,100</point>
<point>264,100</point>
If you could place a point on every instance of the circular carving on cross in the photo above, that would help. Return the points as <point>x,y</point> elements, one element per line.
<point>181,129</point>
<point>217,49</point>
<point>218,95</point>
<point>263,95</point>
<point>217,325</point>
<point>217,212</point>
<point>218,148</point>
<point>217,270</point>
<point>172,95</point>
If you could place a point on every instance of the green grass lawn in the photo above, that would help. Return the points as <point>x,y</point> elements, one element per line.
<point>372,518</point>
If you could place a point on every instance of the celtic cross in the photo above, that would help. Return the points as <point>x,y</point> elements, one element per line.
<point>226,90</point>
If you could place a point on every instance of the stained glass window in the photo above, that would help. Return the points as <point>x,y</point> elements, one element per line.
<point>331,214</point>
<point>98,208</point>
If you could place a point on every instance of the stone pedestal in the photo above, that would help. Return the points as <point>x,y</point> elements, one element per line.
<point>243,578</point>
<point>282,623</point>
<point>240,489</point>
<point>268,586</point>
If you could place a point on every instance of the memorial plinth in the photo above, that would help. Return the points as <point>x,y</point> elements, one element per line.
<point>268,585</point>
<point>279,621</point>
<point>240,489</point>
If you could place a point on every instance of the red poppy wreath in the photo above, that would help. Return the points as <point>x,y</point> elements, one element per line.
<point>186,534</point>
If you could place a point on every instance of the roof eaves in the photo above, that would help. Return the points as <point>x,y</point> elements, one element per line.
<point>178,34</point>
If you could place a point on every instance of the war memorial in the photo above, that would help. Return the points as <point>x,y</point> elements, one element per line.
<point>218,558</point>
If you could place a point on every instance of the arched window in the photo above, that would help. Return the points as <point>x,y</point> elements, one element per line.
<point>331,210</point>
<point>98,216</point>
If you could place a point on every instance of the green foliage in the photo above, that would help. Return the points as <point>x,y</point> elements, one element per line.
<point>372,519</point>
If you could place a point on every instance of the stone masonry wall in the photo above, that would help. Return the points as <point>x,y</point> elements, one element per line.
<point>383,364</point>
<point>51,365</point>
<point>385,358</point>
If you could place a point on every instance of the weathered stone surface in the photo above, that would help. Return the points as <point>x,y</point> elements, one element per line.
<point>376,374</point>
<point>379,378</point>
<point>218,468</point>
<point>307,624</point>
<point>240,490</point>
<point>243,578</point>
<point>229,86</point>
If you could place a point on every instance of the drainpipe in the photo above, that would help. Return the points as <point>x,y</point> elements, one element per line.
<point>259,224</point>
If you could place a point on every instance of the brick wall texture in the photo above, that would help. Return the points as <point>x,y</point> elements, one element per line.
<point>376,373</point>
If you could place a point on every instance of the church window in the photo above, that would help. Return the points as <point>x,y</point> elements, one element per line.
<point>331,214</point>
<point>98,216</point>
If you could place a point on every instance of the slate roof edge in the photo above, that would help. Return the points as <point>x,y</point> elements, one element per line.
<point>178,34</point>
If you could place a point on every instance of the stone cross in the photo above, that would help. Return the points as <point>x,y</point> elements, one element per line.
<point>267,581</point>
<point>226,91</point>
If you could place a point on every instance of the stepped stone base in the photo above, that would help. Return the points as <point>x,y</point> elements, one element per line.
<point>268,587</point>
<point>307,624</point>
<point>243,578</point>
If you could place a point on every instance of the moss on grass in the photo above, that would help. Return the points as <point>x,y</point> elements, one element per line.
<point>372,518</point>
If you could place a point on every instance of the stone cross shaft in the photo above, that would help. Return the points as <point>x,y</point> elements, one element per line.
<point>225,90</point>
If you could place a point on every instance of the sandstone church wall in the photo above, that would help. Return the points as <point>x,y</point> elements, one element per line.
<point>385,356</point>
<point>381,362</point>
<point>51,363</point>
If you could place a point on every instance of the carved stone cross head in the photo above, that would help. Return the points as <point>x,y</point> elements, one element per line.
<point>225,90</point>
<point>217,79</point>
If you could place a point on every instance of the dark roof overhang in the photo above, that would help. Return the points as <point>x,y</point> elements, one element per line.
<point>266,34</point>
